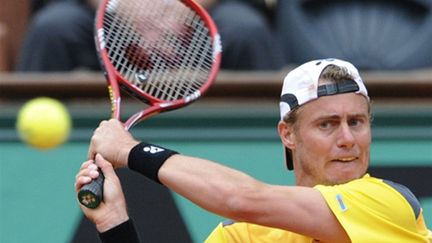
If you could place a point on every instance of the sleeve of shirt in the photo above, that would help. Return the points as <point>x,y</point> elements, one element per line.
<point>372,211</point>
<point>122,233</point>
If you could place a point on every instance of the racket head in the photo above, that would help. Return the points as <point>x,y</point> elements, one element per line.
<point>166,53</point>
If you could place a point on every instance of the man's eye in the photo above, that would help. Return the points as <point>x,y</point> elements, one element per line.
<point>354,122</point>
<point>324,125</point>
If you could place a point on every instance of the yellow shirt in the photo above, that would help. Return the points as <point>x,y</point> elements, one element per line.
<point>231,232</point>
<point>369,209</point>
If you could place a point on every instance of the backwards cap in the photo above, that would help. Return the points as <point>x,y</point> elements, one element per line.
<point>301,86</point>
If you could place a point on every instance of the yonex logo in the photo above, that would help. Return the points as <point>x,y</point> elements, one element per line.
<point>152,149</point>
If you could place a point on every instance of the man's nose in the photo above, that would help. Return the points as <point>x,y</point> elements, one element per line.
<point>346,137</point>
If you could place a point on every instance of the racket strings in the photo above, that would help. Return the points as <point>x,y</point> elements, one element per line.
<point>162,47</point>
<point>183,75</point>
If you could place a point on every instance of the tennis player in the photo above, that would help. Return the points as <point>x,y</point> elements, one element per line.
<point>326,135</point>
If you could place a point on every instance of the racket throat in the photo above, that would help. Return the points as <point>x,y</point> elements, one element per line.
<point>133,94</point>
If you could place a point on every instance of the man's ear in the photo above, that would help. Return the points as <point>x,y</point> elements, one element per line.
<point>286,134</point>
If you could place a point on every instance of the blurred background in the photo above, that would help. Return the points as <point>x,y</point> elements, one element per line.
<point>47,49</point>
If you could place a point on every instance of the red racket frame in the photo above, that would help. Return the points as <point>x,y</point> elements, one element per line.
<point>115,80</point>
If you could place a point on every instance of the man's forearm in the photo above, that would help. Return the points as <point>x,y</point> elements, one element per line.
<point>212,186</point>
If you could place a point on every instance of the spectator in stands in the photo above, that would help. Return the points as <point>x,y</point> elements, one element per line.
<point>249,41</point>
<point>257,34</point>
<point>375,34</point>
<point>60,36</point>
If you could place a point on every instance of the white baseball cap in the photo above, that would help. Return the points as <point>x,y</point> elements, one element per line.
<point>301,86</point>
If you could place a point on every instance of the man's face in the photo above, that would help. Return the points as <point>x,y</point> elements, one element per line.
<point>331,140</point>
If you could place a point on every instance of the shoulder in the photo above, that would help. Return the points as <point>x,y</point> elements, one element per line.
<point>64,11</point>
<point>394,189</point>
<point>407,194</point>
<point>371,194</point>
<point>376,210</point>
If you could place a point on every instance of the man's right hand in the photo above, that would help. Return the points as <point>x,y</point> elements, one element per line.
<point>113,142</point>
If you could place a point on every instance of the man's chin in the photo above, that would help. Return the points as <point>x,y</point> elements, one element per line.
<point>342,179</point>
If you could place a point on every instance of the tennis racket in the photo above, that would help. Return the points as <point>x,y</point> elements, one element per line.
<point>165,53</point>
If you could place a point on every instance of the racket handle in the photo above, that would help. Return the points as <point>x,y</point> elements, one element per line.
<point>91,194</point>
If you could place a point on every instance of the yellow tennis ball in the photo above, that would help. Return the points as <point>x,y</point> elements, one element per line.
<point>43,123</point>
